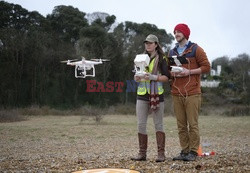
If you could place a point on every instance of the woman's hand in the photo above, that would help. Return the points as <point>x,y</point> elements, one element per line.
<point>149,76</point>
<point>137,78</point>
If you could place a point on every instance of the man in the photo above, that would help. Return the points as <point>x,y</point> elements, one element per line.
<point>186,91</point>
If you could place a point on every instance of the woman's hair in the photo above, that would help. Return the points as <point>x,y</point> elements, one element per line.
<point>160,52</point>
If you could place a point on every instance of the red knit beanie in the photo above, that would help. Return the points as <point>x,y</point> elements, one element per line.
<point>184,29</point>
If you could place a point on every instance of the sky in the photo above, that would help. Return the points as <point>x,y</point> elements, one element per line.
<point>220,27</point>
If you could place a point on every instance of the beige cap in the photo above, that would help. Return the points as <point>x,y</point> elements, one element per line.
<point>151,38</point>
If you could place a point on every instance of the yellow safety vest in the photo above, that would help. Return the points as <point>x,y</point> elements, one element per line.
<point>144,86</point>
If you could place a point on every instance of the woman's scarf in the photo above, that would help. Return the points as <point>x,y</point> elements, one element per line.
<point>154,101</point>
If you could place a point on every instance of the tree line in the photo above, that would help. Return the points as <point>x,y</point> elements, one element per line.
<point>32,46</point>
<point>235,78</point>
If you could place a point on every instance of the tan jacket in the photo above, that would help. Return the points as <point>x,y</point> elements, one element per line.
<point>191,85</point>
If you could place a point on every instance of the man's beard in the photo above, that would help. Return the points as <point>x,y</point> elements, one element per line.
<point>179,41</point>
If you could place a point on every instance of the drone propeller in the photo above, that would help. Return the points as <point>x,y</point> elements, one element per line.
<point>70,60</point>
<point>104,60</point>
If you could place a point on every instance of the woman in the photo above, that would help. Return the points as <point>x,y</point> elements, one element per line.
<point>150,98</point>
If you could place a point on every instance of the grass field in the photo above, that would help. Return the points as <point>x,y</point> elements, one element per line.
<point>72,143</point>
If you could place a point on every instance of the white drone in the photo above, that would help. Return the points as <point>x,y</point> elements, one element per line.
<point>141,61</point>
<point>82,66</point>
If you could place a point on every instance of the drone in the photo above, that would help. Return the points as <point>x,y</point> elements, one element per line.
<point>82,66</point>
<point>141,61</point>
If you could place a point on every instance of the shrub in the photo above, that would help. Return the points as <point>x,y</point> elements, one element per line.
<point>238,111</point>
<point>44,110</point>
<point>11,116</point>
<point>95,112</point>
<point>123,109</point>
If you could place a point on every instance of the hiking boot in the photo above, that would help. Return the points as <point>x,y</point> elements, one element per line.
<point>191,156</point>
<point>181,156</point>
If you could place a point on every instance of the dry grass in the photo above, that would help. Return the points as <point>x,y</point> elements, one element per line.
<point>71,143</point>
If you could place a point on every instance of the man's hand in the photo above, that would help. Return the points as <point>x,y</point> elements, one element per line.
<point>184,73</point>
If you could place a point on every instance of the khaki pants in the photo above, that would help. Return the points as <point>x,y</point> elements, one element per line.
<point>187,112</point>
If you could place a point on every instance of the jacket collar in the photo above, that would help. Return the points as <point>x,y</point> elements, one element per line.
<point>188,49</point>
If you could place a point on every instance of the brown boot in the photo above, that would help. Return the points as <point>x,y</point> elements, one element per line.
<point>160,138</point>
<point>143,144</point>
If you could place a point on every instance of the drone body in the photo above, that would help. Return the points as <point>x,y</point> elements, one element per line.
<point>83,66</point>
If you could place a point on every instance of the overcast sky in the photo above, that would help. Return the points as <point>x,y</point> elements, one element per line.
<point>220,27</point>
